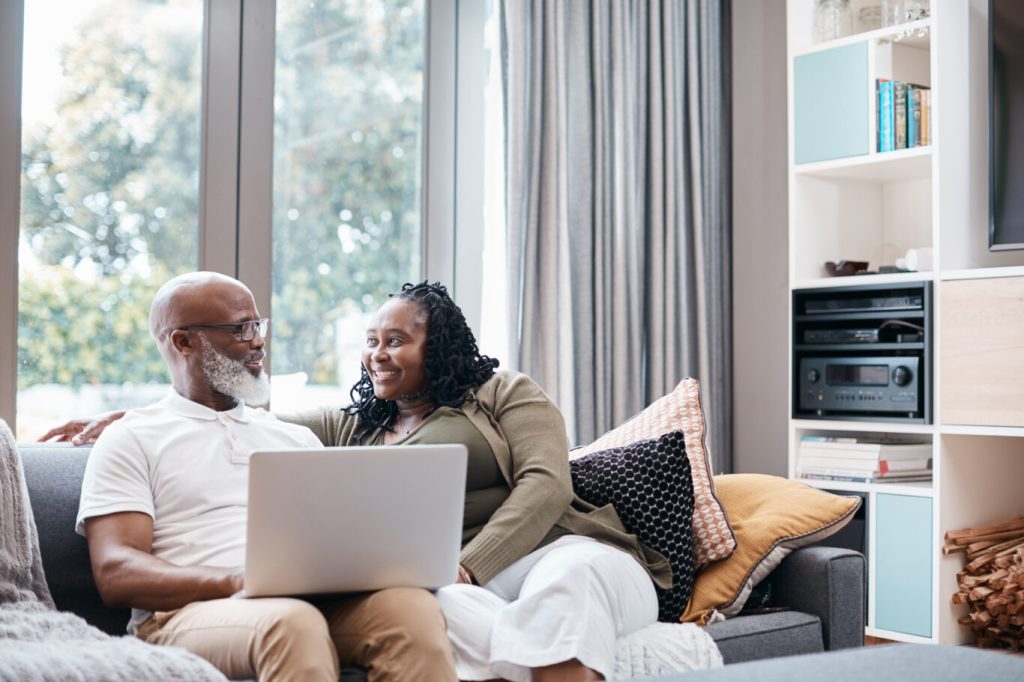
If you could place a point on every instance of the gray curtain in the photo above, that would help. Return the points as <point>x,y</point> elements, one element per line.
<point>618,195</point>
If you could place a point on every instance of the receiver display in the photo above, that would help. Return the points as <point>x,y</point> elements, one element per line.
<point>857,375</point>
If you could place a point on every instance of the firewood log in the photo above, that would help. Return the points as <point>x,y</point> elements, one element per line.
<point>989,537</point>
<point>1012,524</point>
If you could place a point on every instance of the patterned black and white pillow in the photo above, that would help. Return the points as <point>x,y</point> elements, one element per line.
<point>651,487</point>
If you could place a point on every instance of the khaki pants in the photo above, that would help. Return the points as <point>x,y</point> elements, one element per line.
<point>396,634</point>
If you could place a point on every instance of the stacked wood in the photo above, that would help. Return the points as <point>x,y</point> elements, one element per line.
<point>992,582</point>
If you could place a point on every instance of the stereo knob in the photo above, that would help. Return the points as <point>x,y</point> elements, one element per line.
<point>812,376</point>
<point>901,376</point>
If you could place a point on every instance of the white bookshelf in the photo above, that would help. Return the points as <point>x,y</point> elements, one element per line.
<point>875,206</point>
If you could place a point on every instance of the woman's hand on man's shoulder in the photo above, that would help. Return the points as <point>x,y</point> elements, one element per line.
<point>81,431</point>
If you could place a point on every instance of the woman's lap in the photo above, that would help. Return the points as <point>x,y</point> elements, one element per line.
<point>569,599</point>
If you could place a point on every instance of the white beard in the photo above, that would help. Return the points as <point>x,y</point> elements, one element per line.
<point>233,378</point>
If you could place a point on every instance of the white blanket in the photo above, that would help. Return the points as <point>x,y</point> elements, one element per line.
<point>37,642</point>
<point>663,649</point>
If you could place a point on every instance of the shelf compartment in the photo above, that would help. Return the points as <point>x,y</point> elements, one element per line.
<point>832,111</point>
<point>982,344</point>
<point>842,218</point>
<point>903,563</point>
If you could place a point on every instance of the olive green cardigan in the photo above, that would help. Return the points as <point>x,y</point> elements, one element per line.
<point>526,432</point>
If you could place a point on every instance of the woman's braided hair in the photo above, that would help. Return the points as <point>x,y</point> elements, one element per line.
<point>452,363</point>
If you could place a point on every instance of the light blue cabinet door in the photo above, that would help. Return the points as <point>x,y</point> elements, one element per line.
<point>833,103</point>
<point>903,564</point>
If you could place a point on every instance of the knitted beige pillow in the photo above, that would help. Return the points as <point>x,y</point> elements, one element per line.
<point>681,410</point>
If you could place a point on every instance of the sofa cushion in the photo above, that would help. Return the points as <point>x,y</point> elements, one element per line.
<point>681,410</point>
<point>53,473</point>
<point>649,484</point>
<point>748,638</point>
<point>771,516</point>
<point>890,663</point>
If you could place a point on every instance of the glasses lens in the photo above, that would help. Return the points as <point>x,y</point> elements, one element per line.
<point>252,327</point>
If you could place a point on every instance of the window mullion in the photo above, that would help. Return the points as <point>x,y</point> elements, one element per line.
<point>440,142</point>
<point>218,223</point>
<point>11,36</point>
<point>256,156</point>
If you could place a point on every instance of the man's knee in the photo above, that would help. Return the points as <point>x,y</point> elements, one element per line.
<point>407,606</point>
<point>294,637</point>
<point>296,618</point>
<point>413,614</point>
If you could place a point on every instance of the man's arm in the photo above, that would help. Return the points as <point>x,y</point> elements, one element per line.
<point>127,573</point>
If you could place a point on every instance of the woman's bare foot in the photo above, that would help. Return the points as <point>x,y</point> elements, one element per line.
<point>566,671</point>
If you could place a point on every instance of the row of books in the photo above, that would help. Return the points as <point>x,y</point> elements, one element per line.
<point>863,460</point>
<point>904,115</point>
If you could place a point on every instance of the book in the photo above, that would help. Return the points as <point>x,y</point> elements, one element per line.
<point>865,450</point>
<point>829,439</point>
<point>885,138</point>
<point>899,114</point>
<point>909,478</point>
<point>865,466</point>
<point>926,116</point>
<point>859,443</point>
<point>913,115</point>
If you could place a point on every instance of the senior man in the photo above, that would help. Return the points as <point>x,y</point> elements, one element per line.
<point>164,509</point>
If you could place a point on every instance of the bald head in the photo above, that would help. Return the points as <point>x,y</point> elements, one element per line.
<point>197,298</point>
<point>196,322</point>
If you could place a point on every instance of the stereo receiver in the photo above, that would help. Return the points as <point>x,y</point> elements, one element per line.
<point>888,385</point>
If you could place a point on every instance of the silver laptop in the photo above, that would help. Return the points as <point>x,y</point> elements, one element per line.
<point>354,519</point>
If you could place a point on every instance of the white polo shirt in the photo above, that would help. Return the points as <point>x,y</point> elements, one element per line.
<point>187,467</point>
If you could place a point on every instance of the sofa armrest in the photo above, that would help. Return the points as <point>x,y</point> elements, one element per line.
<point>830,583</point>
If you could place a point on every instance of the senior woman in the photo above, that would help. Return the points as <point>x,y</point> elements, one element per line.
<point>547,582</point>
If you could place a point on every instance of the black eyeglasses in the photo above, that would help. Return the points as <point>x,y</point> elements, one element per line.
<point>246,331</point>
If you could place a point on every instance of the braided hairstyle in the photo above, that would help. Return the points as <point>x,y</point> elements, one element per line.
<point>452,362</point>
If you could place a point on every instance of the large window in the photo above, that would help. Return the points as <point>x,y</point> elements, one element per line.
<point>109,197</point>
<point>348,131</point>
<point>290,143</point>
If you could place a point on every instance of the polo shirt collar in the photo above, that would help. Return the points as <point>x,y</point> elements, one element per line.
<point>183,407</point>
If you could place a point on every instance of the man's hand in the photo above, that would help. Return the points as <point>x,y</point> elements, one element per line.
<point>82,431</point>
<point>466,576</point>
<point>236,579</point>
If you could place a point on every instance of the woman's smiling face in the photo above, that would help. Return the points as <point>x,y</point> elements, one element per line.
<point>396,346</point>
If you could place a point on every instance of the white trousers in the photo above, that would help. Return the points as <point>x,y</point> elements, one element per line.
<point>569,599</point>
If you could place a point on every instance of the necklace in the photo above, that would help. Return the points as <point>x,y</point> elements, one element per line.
<point>416,421</point>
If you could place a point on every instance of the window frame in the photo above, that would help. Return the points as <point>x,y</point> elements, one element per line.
<point>236,172</point>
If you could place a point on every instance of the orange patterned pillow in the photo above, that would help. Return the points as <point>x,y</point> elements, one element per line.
<point>681,410</point>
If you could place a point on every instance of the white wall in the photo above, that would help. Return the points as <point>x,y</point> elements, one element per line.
<point>760,314</point>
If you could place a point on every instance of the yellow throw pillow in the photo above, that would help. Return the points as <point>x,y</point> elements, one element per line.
<point>771,516</point>
<point>680,410</point>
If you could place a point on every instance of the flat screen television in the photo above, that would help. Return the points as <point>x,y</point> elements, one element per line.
<point>1006,124</point>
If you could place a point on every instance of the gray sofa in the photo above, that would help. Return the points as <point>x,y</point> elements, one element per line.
<point>823,587</point>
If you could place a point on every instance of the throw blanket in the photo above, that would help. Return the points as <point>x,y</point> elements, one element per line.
<point>37,642</point>
<point>663,649</point>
